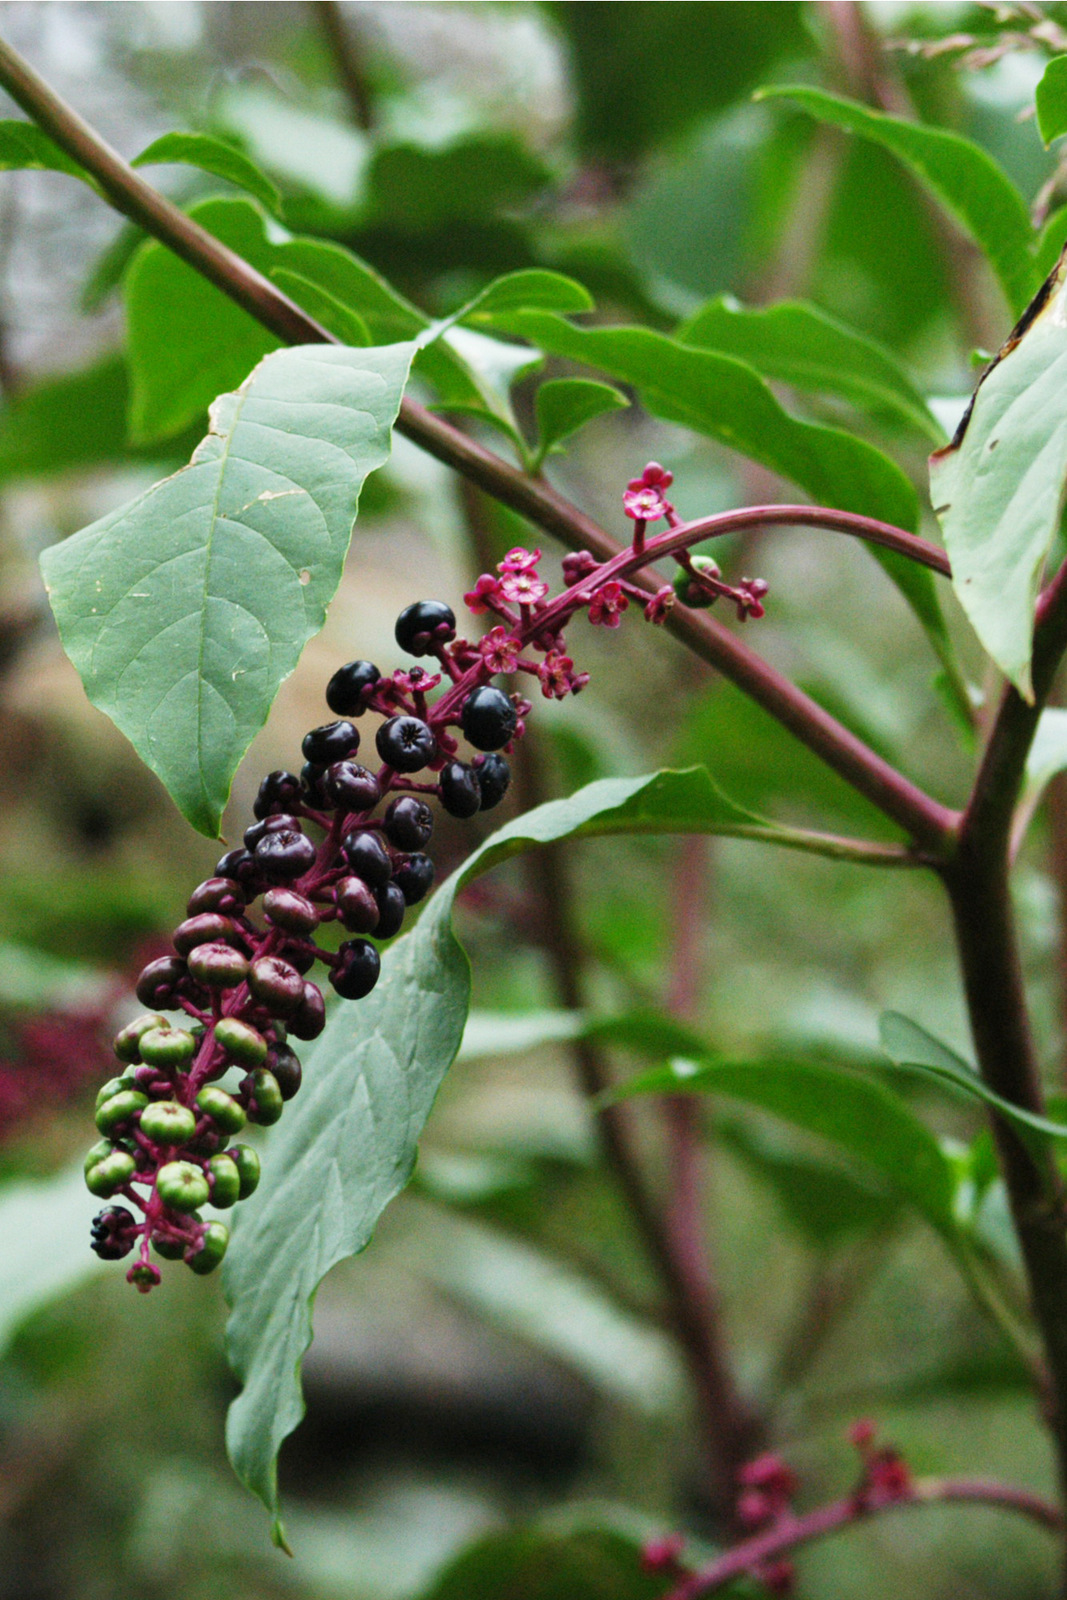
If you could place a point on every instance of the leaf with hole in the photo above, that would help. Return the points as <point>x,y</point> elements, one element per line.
<point>184,610</point>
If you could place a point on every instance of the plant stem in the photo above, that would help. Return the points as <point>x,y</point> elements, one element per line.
<point>344,46</point>
<point>928,822</point>
<point>791,1532</point>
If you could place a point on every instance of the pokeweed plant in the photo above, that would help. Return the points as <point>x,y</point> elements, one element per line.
<point>185,610</point>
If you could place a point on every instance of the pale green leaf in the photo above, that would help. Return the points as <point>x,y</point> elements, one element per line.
<point>997,488</point>
<point>564,405</point>
<point>337,318</point>
<point>25,145</point>
<point>211,155</point>
<point>184,610</point>
<point>1051,100</point>
<point>532,288</point>
<point>966,180</point>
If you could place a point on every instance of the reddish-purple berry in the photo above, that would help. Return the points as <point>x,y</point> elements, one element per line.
<point>356,905</point>
<point>309,1018</point>
<point>276,984</point>
<point>279,791</point>
<point>291,911</point>
<point>348,785</point>
<point>408,823</point>
<point>285,855</point>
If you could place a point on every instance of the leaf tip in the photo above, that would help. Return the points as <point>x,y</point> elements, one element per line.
<point>279,1537</point>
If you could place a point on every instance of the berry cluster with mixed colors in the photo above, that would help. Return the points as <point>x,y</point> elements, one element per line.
<point>167,1120</point>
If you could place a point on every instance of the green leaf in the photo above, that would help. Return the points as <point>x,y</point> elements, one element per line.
<point>215,156</point>
<point>1048,752</point>
<point>44,1243</point>
<point>348,1144</point>
<point>419,187</point>
<point>546,1564</point>
<point>997,488</point>
<point>564,405</point>
<point>1051,100</point>
<point>966,180</point>
<point>184,610</point>
<point>25,145</point>
<point>339,319</point>
<point>801,345</point>
<point>909,1045</point>
<point>858,1115</point>
<point>531,289</point>
<point>1051,241</point>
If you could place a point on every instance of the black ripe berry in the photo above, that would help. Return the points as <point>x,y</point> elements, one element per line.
<point>161,982</point>
<point>311,776</point>
<point>426,623</point>
<point>255,830</point>
<point>494,775</point>
<point>309,1018</point>
<point>414,878</point>
<point>284,855</point>
<point>391,908</point>
<point>285,1065</point>
<point>368,858</point>
<point>460,794</point>
<point>488,718</point>
<point>240,865</point>
<point>408,823</point>
<point>279,791</point>
<point>332,742</point>
<point>357,969</point>
<point>351,787</point>
<point>406,743</point>
<point>112,1234</point>
<point>350,686</point>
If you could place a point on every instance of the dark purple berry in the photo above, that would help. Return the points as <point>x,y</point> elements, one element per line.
<point>426,623</point>
<point>351,786</point>
<point>273,824</point>
<point>276,984</point>
<point>368,858</point>
<point>112,1233</point>
<point>356,905</point>
<point>494,776</point>
<point>309,1018</point>
<point>291,911</point>
<point>161,982</point>
<point>408,823</point>
<point>299,956</point>
<point>332,742</point>
<point>279,791</point>
<point>311,776</point>
<point>406,743</point>
<point>216,894</point>
<point>414,878</point>
<point>284,855</point>
<point>357,969</point>
<point>240,865</point>
<point>460,794</point>
<point>208,927</point>
<point>391,908</point>
<point>349,688</point>
<point>285,1065</point>
<point>488,718</point>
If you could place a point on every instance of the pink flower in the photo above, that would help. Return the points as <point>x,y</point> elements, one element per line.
<point>607,605</point>
<point>523,587</point>
<point>485,589</point>
<point>578,565</point>
<point>653,477</point>
<point>556,673</point>
<point>645,504</point>
<point>519,560</point>
<point>499,650</point>
<point>660,604</point>
<point>416,681</point>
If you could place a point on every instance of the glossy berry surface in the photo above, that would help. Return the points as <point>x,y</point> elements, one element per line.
<point>276,984</point>
<point>406,743</point>
<point>161,982</point>
<point>226,1112</point>
<point>285,855</point>
<point>240,865</point>
<point>391,908</point>
<point>331,742</point>
<point>279,791</point>
<point>209,927</point>
<point>414,878</point>
<point>408,823</point>
<point>368,858</point>
<point>285,1065</point>
<point>494,777</point>
<point>488,718</point>
<point>460,794</point>
<point>347,690</point>
<point>351,786</point>
<point>225,1181</point>
<point>212,1248</point>
<point>240,1042</point>
<point>216,894</point>
<point>266,1106</point>
<point>218,966</point>
<point>248,1170</point>
<point>167,1122</point>
<point>291,911</point>
<point>357,969</point>
<point>309,1018</point>
<point>421,626</point>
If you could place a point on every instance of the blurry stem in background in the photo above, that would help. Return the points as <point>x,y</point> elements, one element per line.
<point>345,47</point>
<point>728,1429</point>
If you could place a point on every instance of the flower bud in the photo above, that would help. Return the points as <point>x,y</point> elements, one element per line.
<point>143,1276</point>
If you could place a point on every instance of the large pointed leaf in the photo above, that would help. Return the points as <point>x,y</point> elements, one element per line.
<point>211,155</point>
<point>998,487</point>
<point>802,345</point>
<point>853,1112</point>
<point>348,1143</point>
<point>966,180</point>
<point>184,610</point>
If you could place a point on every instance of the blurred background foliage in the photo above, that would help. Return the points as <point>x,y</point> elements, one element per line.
<point>495,1368</point>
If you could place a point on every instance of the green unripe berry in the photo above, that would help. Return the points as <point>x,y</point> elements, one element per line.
<point>120,1108</point>
<point>127,1041</point>
<point>225,1112</point>
<point>101,1149</point>
<point>246,1161</point>
<point>182,1186</point>
<point>167,1047</point>
<point>217,965</point>
<point>167,1122</point>
<point>267,1098</point>
<point>115,1086</point>
<point>689,593</point>
<point>213,1248</point>
<point>106,1177</point>
<point>169,1249</point>
<point>242,1043</point>
<point>226,1184</point>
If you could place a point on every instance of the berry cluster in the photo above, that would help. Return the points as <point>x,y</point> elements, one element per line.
<point>166,1121</point>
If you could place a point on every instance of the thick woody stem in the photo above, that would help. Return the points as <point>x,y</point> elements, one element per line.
<point>929,823</point>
